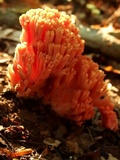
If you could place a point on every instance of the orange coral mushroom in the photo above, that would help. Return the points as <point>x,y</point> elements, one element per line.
<point>49,64</point>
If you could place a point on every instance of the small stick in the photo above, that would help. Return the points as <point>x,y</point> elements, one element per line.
<point>6,141</point>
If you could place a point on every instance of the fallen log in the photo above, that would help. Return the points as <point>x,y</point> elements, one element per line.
<point>105,40</point>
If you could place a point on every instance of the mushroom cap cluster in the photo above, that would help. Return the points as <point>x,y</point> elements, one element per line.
<point>48,64</point>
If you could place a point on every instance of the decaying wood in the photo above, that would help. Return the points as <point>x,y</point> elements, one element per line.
<point>104,40</point>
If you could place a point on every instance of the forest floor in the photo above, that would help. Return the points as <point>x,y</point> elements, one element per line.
<point>31,131</point>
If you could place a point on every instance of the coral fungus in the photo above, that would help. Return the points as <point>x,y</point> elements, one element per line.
<point>49,64</point>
